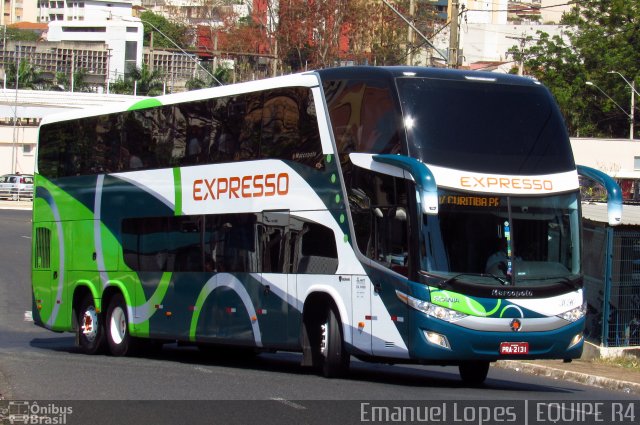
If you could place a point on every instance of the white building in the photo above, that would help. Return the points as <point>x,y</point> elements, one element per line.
<point>83,10</point>
<point>487,32</point>
<point>552,10</point>
<point>122,37</point>
<point>490,42</point>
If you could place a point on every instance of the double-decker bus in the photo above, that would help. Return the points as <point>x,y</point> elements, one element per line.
<point>393,214</point>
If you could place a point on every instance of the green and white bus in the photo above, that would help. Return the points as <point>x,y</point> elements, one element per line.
<point>393,214</point>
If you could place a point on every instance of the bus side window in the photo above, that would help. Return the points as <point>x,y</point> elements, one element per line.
<point>315,250</point>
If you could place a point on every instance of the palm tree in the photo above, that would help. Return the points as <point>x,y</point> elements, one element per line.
<point>29,77</point>
<point>148,83</point>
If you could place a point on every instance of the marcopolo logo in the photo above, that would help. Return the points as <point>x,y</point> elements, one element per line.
<point>237,187</point>
<point>25,412</point>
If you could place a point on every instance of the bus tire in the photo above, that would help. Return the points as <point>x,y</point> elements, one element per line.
<point>474,373</point>
<point>334,358</point>
<point>89,330</point>
<point>117,327</point>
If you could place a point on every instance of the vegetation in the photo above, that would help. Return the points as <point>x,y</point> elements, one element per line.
<point>603,36</point>
<point>142,81</point>
<point>164,31</point>
<point>29,77</point>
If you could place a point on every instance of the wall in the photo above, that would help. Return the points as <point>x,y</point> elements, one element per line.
<point>613,156</point>
<point>12,145</point>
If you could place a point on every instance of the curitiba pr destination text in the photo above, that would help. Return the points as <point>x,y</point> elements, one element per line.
<point>503,412</point>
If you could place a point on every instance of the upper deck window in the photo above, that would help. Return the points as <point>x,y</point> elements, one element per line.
<point>484,126</point>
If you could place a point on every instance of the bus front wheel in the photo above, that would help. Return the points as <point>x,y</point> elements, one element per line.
<point>474,373</point>
<point>117,327</point>
<point>334,358</point>
<point>90,330</point>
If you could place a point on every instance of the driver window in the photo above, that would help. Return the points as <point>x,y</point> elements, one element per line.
<point>379,208</point>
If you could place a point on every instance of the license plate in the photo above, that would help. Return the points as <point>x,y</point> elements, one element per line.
<point>514,348</point>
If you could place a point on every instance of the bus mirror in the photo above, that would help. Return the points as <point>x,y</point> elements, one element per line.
<point>425,182</point>
<point>614,193</point>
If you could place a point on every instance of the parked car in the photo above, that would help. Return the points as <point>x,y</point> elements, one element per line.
<point>16,186</point>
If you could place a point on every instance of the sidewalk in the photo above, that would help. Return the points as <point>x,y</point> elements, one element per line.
<point>586,372</point>
<point>15,205</point>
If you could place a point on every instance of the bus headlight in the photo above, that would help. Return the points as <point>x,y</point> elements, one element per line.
<point>574,314</point>
<point>439,312</point>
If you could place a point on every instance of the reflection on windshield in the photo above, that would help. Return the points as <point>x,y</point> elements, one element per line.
<point>516,239</point>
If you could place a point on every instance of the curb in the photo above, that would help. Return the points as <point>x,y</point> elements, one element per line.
<point>567,375</point>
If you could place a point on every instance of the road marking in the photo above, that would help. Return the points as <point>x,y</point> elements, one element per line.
<point>202,369</point>
<point>28,316</point>
<point>26,237</point>
<point>288,403</point>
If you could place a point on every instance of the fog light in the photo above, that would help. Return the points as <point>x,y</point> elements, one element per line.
<point>575,341</point>
<point>437,339</point>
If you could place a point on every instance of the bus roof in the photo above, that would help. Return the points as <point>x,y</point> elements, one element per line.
<point>382,72</point>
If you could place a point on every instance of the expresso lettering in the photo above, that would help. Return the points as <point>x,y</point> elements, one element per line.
<point>251,186</point>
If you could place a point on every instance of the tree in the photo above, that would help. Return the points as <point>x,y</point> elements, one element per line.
<point>29,77</point>
<point>178,33</point>
<point>141,80</point>
<point>16,34</point>
<point>222,74</point>
<point>602,36</point>
<point>79,81</point>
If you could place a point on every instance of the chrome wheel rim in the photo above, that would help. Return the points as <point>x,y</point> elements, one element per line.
<point>118,325</point>
<point>89,325</point>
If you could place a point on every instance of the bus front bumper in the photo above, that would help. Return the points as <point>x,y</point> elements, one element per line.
<point>437,340</point>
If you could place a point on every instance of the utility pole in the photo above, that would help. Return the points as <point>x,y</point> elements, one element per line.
<point>633,107</point>
<point>412,11</point>
<point>151,51</point>
<point>453,36</point>
<point>523,41</point>
<point>417,31</point>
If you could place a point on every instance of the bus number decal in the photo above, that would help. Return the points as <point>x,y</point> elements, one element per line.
<point>250,186</point>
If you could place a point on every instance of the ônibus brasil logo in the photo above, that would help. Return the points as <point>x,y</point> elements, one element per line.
<point>26,412</point>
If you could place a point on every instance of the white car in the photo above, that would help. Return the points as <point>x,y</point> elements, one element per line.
<point>16,186</point>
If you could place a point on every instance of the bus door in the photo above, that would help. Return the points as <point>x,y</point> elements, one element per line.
<point>276,297</point>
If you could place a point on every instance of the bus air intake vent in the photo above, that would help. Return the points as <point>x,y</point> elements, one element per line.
<point>42,254</point>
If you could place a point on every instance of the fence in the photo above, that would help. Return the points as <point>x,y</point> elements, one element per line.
<point>613,315</point>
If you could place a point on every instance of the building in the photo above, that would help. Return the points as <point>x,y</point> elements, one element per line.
<point>14,11</point>
<point>83,10</point>
<point>122,38</point>
<point>552,10</point>
<point>53,58</point>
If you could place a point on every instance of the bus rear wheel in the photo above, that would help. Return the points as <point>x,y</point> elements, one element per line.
<point>89,329</point>
<point>334,359</point>
<point>474,373</point>
<point>117,327</point>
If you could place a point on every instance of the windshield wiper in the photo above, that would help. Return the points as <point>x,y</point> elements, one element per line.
<point>453,279</point>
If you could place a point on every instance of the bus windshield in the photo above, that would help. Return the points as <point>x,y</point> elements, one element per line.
<point>503,240</point>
